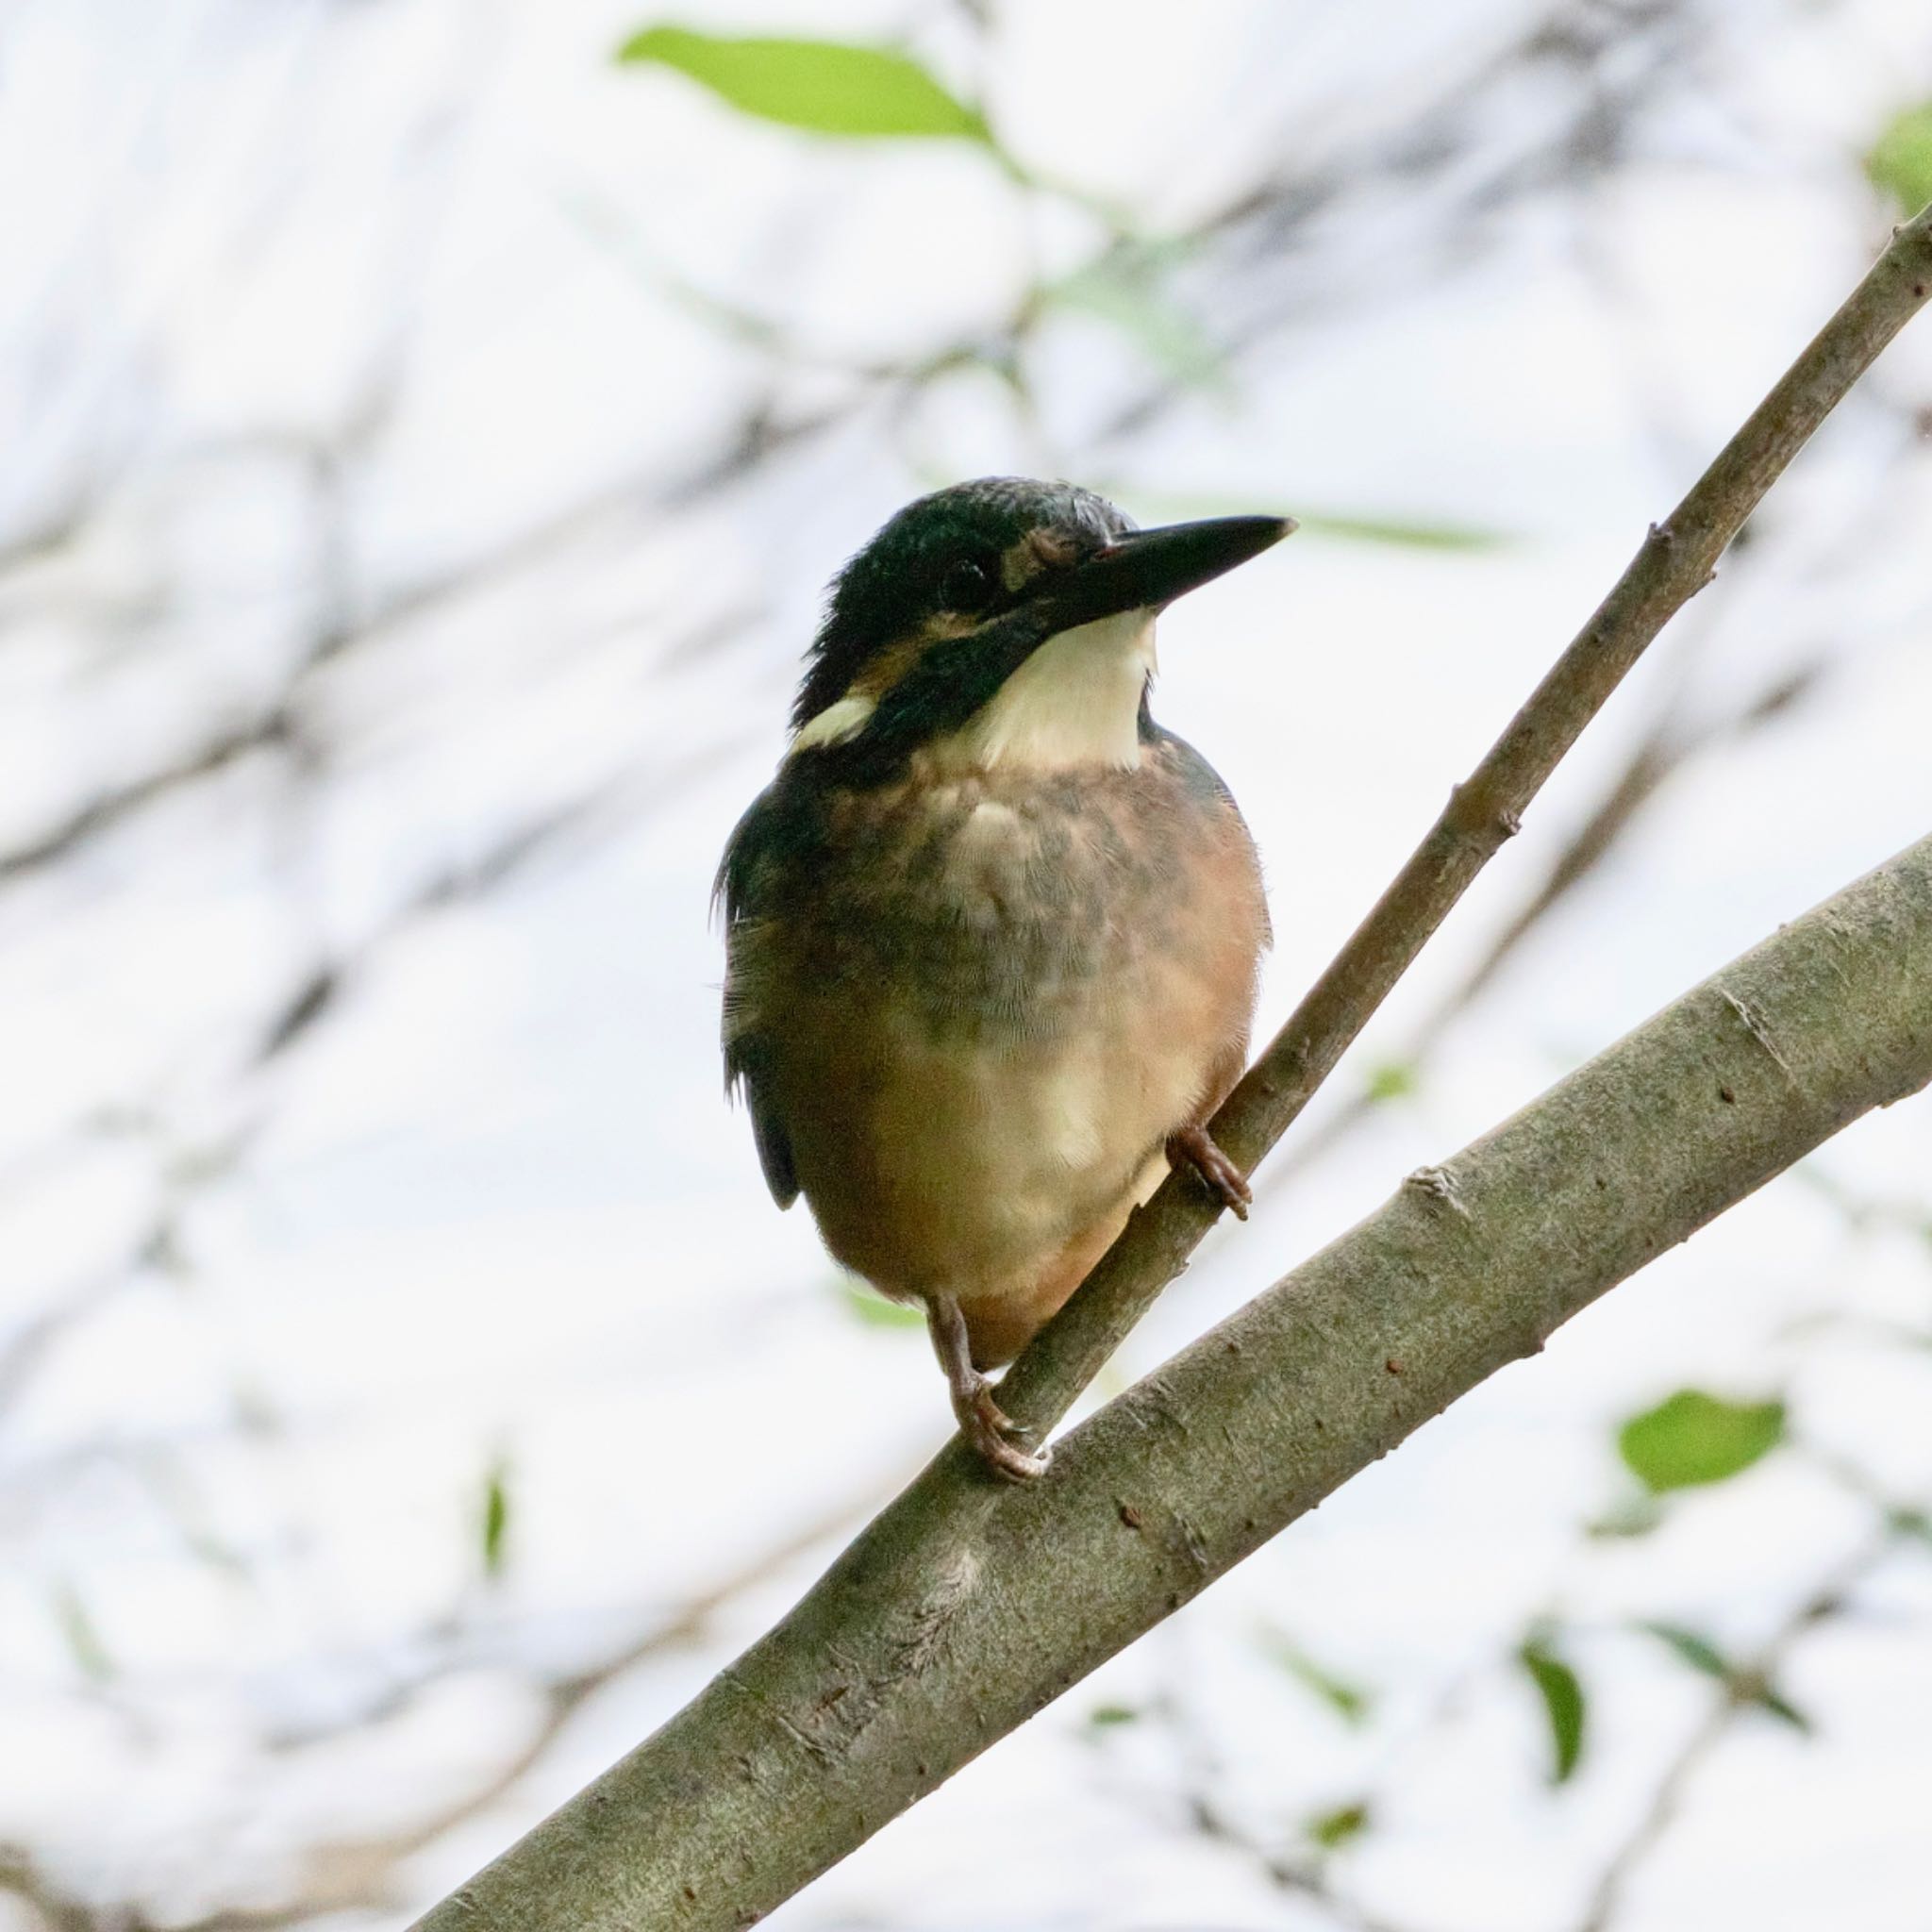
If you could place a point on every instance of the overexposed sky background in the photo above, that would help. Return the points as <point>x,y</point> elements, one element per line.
<point>383,449</point>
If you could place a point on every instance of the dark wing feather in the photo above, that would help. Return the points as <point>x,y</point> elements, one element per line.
<point>767,1129</point>
<point>744,877</point>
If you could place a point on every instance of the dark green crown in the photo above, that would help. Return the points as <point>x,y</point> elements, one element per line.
<point>942,552</point>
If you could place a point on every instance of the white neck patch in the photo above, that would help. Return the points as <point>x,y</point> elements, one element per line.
<point>1075,701</point>
<point>834,724</point>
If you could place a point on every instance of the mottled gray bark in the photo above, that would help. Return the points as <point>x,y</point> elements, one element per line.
<point>967,1606</point>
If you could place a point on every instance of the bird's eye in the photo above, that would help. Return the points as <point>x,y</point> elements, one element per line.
<point>966,586</point>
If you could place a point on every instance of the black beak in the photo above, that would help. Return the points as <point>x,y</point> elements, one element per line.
<point>1147,569</point>
<point>1141,571</point>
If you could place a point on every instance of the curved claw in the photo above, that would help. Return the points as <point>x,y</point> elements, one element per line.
<point>989,1432</point>
<point>1196,1148</point>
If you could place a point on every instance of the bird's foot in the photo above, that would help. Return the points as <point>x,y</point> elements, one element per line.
<point>994,1435</point>
<point>989,1430</point>
<point>1195,1147</point>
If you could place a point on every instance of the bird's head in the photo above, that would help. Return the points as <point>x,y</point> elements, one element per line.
<point>1003,621</point>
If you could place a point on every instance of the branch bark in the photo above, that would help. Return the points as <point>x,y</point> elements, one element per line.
<point>965,1609</point>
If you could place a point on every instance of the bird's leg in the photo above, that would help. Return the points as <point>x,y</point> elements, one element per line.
<point>1195,1147</point>
<point>981,1421</point>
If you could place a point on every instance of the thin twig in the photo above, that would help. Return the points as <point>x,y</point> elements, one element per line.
<point>1657,758</point>
<point>1734,1700</point>
<point>1676,560</point>
<point>364,1873</point>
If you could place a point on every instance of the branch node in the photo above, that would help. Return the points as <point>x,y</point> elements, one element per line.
<point>1755,1026</point>
<point>1471,815</point>
<point>1436,1186</point>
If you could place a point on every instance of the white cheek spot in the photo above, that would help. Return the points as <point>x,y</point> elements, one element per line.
<point>838,722</point>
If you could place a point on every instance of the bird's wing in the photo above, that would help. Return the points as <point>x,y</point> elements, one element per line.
<point>1208,785</point>
<point>743,884</point>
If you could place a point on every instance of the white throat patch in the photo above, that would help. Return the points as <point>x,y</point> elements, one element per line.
<point>1075,701</point>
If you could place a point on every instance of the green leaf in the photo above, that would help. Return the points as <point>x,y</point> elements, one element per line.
<point>82,1634</point>
<point>1415,535</point>
<point>1697,1651</point>
<point>1771,1702</point>
<point>1350,1702</point>
<point>1900,163</point>
<point>1913,1525</point>
<point>1561,1691</point>
<point>873,1310</point>
<point>1105,1716</point>
<point>1694,1437</point>
<point>1124,290</point>
<point>1392,1080</point>
<point>1331,1830</point>
<point>824,87</point>
<point>1412,536</point>
<point>495,1524</point>
<point>1744,1686</point>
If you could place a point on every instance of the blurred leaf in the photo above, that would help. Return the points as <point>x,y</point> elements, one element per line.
<point>1745,1686</point>
<point>1350,1702</point>
<point>495,1517</point>
<point>1105,1716</point>
<point>1636,1515</point>
<point>1900,163</point>
<point>826,87</point>
<point>1699,1652</point>
<point>1124,290</point>
<point>1694,1437</point>
<point>610,228</point>
<point>1360,529</point>
<point>1393,1080</point>
<point>1413,536</point>
<point>1561,1691</point>
<point>82,1634</point>
<point>1913,1524</point>
<point>874,1311</point>
<point>1331,1830</point>
<point>1769,1700</point>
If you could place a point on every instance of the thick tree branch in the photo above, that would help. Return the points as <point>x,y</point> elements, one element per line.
<point>965,1609</point>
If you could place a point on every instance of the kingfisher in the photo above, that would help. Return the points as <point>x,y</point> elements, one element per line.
<point>992,935</point>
